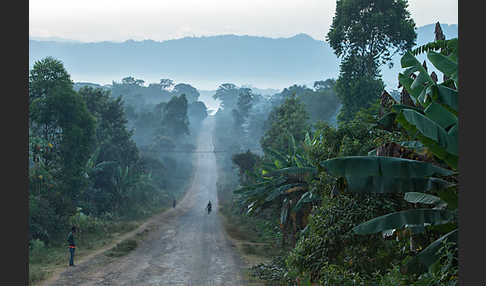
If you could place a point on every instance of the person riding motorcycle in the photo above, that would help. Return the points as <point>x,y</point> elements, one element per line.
<point>208,207</point>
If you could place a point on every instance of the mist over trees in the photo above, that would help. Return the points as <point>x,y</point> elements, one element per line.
<point>104,154</point>
<point>351,181</point>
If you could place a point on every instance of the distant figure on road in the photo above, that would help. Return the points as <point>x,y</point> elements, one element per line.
<point>72,245</point>
<point>174,203</point>
<point>208,207</point>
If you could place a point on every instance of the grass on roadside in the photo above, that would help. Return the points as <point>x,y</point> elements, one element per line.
<point>43,260</point>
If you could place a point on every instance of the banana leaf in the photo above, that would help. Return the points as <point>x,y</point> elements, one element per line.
<point>307,197</point>
<point>383,184</point>
<point>416,197</point>
<point>251,187</point>
<point>387,121</point>
<point>429,255</point>
<point>447,96</point>
<point>401,219</point>
<point>366,166</point>
<point>431,130</point>
<point>295,171</point>
<point>398,107</point>
<point>434,146</point>
<point>440,115</point>
<point>276,155</point>
<point>453,131</point>
<point>408,60</point>
<point>372,152</point>
<point>444,64</point>
<point>280,191</point>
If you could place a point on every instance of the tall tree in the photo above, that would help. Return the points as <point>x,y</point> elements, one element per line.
<point>188,90</point>
<point>60,116</point>
<point>45,75</point>
<point>290,118</point>
<point>372,29</point>
<point>227,93</point>
<point>366,34</point>
<point>175,121</point>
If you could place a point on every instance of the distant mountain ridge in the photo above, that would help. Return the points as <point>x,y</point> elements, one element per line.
<point>206,62</point>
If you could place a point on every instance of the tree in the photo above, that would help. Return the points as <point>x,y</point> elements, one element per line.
<point>45,75</point>
<point>324,84</point>
<point>431,119</point>
<point>370,29</point>
<point>243,106</point>
<point>130,80</point>
<point>197,112</point>
<point>355,88</point>
<point>366,34</point>
<point>290,118</point>
<point>175,122</point>
<point>114,144</point>
<point>166,83</point>
<point>188,90</point>
<point>227,93</point>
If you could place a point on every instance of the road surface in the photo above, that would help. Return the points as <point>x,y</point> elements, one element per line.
<point>185,245</point>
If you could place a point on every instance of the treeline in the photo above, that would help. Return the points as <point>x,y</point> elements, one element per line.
<point>85,168</point>
<point>372,201</point>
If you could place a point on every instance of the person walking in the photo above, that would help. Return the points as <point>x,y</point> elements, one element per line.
<point>72,245</point>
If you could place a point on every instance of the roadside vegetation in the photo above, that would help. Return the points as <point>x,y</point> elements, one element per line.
<point>90,167</point>
<point>371,200</point>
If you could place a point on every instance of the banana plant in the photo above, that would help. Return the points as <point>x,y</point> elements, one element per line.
<point>92,166</point>
<point>282,180</point>
<point>433,121</point>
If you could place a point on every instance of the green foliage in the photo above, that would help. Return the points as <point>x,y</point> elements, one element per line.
<point>45,75</point>
<point>320,103</point>
<point>445,270</point>
<point>82,157</point>
<point>288,119</point>
<point>362,34</point>
<point>435,125</point>
<point>371,28</point>
<point>175,122</point>
<point>356,88</point>
<point>338,275</point>
<point>330,239</point>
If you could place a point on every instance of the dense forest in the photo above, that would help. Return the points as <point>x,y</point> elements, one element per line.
<point>101,159</point>
<point>345,182</point>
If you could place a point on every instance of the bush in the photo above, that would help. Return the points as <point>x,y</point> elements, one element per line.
<point>85,222</point>
<point>36,247</point>
<point>330,240</point>
<point>337,275</point>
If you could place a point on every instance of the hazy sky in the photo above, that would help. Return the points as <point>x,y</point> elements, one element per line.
<point>120,20</point>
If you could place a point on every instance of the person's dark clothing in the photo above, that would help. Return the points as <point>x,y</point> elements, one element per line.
<point>71,257</point>
<point>70,239</point>
<point>72,247</point>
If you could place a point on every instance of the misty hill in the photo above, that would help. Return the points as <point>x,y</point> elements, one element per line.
<point>206,62</point>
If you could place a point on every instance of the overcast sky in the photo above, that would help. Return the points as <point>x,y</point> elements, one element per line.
<point>120,20</point>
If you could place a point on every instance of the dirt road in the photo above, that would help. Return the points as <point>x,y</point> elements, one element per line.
<point>185,245</point>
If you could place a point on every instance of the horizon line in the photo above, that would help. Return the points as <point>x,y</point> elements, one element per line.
<point>67,40</point>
